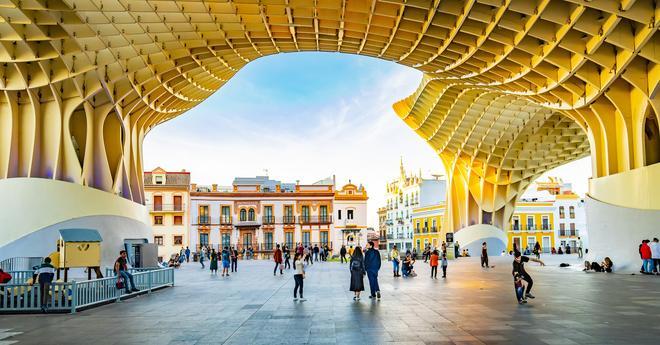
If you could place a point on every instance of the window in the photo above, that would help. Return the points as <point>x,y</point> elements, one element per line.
<point>530,222</point>
<point>339,214</point>
<point>433,225</point>
<point>531,241</point>
<point>203,239</point>
<point>159,179</point>
<point>562,213</point>
<point>324,213</point>
<point>324,238</point>
<point>516,223</point>
<point>226,239</point>
<point>178,240</point>
<point>178,220</point>
<point>562,229</point>
<point>268,215</point>
<point>251,215</point>
<point>305,214</point>
<point>226,215</point>
<point>349,214</point>
<point>158,220</point>
<point>243,215</point>
<point>158,240</point>
<point>158,202</point>
<point>288,214</point>
<point>178,203</point>
<point>204,214</point>
<point>288,236</point>
<point>571,212</point>
<point>269,241</point>
<point>417,227</point>
<point>545,220</point>
<point>306,238</point>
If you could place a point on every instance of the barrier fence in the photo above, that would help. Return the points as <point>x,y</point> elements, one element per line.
<point>74,295</point>
<point>20,263</point>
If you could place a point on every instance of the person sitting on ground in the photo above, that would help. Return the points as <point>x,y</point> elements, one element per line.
<point>607,264</point>
<point>559,251</point>
<point>592,266</point>
<point>408,266</point>
<point>553,250</point>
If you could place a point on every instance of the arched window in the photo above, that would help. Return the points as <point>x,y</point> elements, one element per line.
<point>243,215</point>
<point>251,215</point>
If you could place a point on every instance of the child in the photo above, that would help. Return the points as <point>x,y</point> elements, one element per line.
<point>444,265</point>
<point>434,264</point>
<point>520,288</point>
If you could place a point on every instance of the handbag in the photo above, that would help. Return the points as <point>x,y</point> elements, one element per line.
<point>119,284</point>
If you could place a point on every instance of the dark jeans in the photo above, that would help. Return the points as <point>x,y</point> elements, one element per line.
<point>44,288</point>
<point>234,265</point>
<point>484,261</point>
<point>277,264</point>
<point>373,282</point>
<point>298,278</point>
<point>434,271</point>
<point>287,263</point>
<point>444,271</point>
<point>187,257</point>
<point>529,281</point>
<point>519,292</point>
<point>656,265</point>
<point>341,257</point>
<point>316,256</point>
<point>127,278</point>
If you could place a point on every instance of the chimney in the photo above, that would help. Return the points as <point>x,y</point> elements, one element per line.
<point>214,187</point>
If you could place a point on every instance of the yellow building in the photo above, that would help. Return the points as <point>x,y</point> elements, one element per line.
<point>532,222</point>
<point>427,224</point>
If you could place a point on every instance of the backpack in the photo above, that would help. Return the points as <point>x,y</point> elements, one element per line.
<point>356,265</point>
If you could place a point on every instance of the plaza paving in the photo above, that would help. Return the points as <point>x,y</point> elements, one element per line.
<point>472,306</point>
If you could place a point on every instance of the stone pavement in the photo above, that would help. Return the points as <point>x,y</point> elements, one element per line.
<point>472,306</point>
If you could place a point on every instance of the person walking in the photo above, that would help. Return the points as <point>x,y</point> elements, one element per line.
<point>444,265</point>
<point>356,266</point>
<point>187,254</point>
<point>202,256</point>
<point>316,253</point>
<point>396,259</point>
<point>277,257</point>
<point>214,262</point>
<point>45,274</point>
<point>578,243</point>
<point>484,255</point>
<point>655,255</point>
<point>444,247</point>
<point>234,259</point>
<point>537,250</point>
<point>321,253</point>
<point>372,266</point>
<point>298,277</point>
<point>519,268</point>
<point>287,256</point>
<point>456,249</point>
<point>342,253</point>
<point>225,261</point>
<point>434,264</point>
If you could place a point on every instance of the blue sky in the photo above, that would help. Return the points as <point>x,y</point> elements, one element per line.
<point>305,116</point>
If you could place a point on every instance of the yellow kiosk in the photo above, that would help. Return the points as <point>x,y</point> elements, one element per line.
<point>78,248</point>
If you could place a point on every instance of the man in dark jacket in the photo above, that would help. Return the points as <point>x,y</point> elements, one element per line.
<point>372,265</point>
<point>342,254</point>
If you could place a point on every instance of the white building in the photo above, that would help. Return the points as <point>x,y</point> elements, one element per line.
<point>167,199</point>
<point>404,194</point>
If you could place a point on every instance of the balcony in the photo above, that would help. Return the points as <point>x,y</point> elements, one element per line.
<point>268,220</point>
<point>434,229</point>
<point>564,233</point>
<point>289,220</point>
<point>225,220</point>
<point>203,220</point>
<point>309,220</point>
<point>247,222</point>
<point>166,207</point>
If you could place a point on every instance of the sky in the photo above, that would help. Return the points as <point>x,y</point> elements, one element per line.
<point>306,116</point>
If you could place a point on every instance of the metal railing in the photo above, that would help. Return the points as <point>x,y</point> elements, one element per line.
<point>20,263</point>
<point>166,207</point>
<point>74,295</point>
<point>315,219</point>
<point>20,277</point>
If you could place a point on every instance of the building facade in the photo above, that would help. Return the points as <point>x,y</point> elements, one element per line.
<point>428,226</point>
<point>259,213</point>
<point>402,196</point>
<point>167,199</point>
<point>382,228</point>
<point>532,222</point>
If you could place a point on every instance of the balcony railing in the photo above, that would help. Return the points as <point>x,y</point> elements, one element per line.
<point>288,220</point>
<point>568,232</point>
<point>434,229</point>
<point>225,220</point>
<point>166,207</point>
<point>268,220</point>
<point>203,220</point>
<point>307,220</point>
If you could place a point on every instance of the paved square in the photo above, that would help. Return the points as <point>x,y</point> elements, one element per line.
<point>472,306</point>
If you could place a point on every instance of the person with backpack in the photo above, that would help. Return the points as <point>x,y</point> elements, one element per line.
<point>372,266</point>
<point>45,274</point>
<point>298,277</point>
<point>357,272</point>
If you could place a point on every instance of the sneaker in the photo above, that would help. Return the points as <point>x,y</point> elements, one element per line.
<point>302,299</point>
<point>529,295</point>
<point>135,290</point>
<point>378,294</point>
<point>371,296</point>
<point>355,298</point>
<point>295,299</point>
